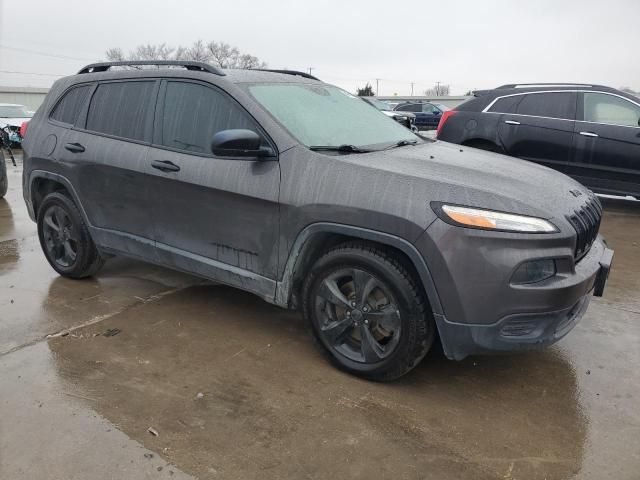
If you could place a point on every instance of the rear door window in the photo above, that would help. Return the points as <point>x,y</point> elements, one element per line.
<point>551,105</point>
<point>194,113</point>
<point>609,109</point>
<point>68,108</point>
<point>122,109</point>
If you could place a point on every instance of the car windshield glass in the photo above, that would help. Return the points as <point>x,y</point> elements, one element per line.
<point>379,104</point>
<point>14,111</point>
<point>442,107</point>
<point>323,115</point>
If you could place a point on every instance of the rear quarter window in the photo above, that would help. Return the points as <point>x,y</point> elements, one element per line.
<point>69,106</point>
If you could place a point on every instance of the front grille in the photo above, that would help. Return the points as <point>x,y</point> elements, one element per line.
<point>586,222</point>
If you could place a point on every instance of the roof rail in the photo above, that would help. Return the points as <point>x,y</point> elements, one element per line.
<point>196,66</point>
<point>533,85</point>
<point>288,72</point>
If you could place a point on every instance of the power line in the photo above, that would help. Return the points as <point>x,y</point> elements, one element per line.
<point>46,54</point>
<point>33,73</point>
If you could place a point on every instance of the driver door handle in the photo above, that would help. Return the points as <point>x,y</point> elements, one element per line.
<point>165,166</point>
<point>74,147</point>
<point>588,134</point>
<point>511,122</point>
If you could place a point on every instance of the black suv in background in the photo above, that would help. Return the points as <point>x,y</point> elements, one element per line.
<point>301,193</point>
<point>589,132</point>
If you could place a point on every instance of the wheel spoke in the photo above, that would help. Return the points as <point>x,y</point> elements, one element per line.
<point>363,283</point>
<point>331,292</point>
<point>336,331</point>
<point>387,317</point>
<point>371,349</point>
<point>69,252</point>
<point>48,220</point>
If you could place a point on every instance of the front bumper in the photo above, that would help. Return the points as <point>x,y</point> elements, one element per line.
<point>483,312</point>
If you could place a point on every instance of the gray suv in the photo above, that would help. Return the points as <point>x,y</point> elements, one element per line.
<point>301,193</point>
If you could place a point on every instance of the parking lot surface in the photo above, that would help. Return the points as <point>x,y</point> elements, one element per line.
<point>146,373</point>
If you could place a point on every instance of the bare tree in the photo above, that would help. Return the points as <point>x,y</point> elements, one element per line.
<point>220,54</point>
<point>437,90</point>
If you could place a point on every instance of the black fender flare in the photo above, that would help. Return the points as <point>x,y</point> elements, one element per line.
<point>29,195</point>
<point>284,287</point>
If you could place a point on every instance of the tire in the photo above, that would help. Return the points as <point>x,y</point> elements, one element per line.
<point>4,180</point>
<point>65,239</point>
<point>387,308</point>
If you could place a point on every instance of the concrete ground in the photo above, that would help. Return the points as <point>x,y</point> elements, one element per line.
<point>234,389</point>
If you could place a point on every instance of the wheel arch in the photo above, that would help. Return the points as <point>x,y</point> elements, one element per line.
<point>42,183</point>
<point>316,238</point>
<point>482,143</point>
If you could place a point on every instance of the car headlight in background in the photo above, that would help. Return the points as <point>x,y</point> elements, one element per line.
<point>492,220</point>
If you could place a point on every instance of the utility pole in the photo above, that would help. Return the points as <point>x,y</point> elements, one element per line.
<point>311,68</point>
<point>377,82</point>
<point>437,89</point>
<point>412,89</point>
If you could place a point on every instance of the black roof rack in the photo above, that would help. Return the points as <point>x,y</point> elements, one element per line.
<point>544,85</point>
<point>196,66</point>
<point>288,72</point>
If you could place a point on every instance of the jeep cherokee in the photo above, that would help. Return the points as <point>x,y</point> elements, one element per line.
<point>301,193</point>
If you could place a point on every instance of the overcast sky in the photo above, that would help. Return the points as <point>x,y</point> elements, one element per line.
<point>465,43</point>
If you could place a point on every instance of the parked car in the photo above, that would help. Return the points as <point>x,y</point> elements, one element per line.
<point>12,118</point>
<point>427,114</point>
<point>407,119</point>
<point>296,191</point>
<point>589,132</point>
<point>4,181</point>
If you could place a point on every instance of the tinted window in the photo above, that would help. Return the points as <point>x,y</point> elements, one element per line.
<point>552,105</point>
<point>121,109</point>
<point>414,107</point>
<point>506,104</point>
<point>194,113</point>
<point>69,107</point>
<point>602,108</point>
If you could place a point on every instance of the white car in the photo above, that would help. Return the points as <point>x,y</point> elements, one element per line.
<point>12,116</point>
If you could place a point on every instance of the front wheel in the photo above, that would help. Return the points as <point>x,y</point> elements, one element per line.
<point>367,312</point>
<point>65,239</point>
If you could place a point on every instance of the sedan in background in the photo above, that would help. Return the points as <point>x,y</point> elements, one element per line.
<point>405,118</point>
<point>428,114</point>
<point>12,119</point>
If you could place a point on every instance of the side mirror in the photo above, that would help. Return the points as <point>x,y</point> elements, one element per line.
<point>239,143</point>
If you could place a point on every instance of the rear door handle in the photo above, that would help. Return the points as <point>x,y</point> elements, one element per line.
<point>74,147</point>
<point>165,166</point>
<point>589,134</point>
<point>511,122</point>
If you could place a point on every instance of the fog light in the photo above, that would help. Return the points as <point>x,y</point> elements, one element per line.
<point>534,271</point>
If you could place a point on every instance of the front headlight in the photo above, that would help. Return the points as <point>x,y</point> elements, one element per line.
<point>492,220</point>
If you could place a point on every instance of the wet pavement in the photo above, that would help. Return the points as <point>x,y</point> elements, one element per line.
<point>234,388</point>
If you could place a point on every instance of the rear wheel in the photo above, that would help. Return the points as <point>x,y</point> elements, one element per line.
<point>65,239</point>
<point>4,181</point>
<point>367,312</point>
<point>484,145</point>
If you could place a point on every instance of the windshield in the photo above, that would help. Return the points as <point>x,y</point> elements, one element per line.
<point>379,104</point>
<point>14,111</point>
<point>326,115</point>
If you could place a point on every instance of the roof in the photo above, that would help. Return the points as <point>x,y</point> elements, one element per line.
<point>538,87</point>
<point>191,69</point>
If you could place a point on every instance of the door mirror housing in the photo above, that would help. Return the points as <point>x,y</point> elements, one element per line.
<point>239,143</point>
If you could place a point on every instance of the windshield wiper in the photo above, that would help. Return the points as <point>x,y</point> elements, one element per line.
<point>401,143</point>
<point>339,148</point>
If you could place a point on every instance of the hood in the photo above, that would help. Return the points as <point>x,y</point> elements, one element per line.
<point>477,178</point>
<point>13,122</point>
